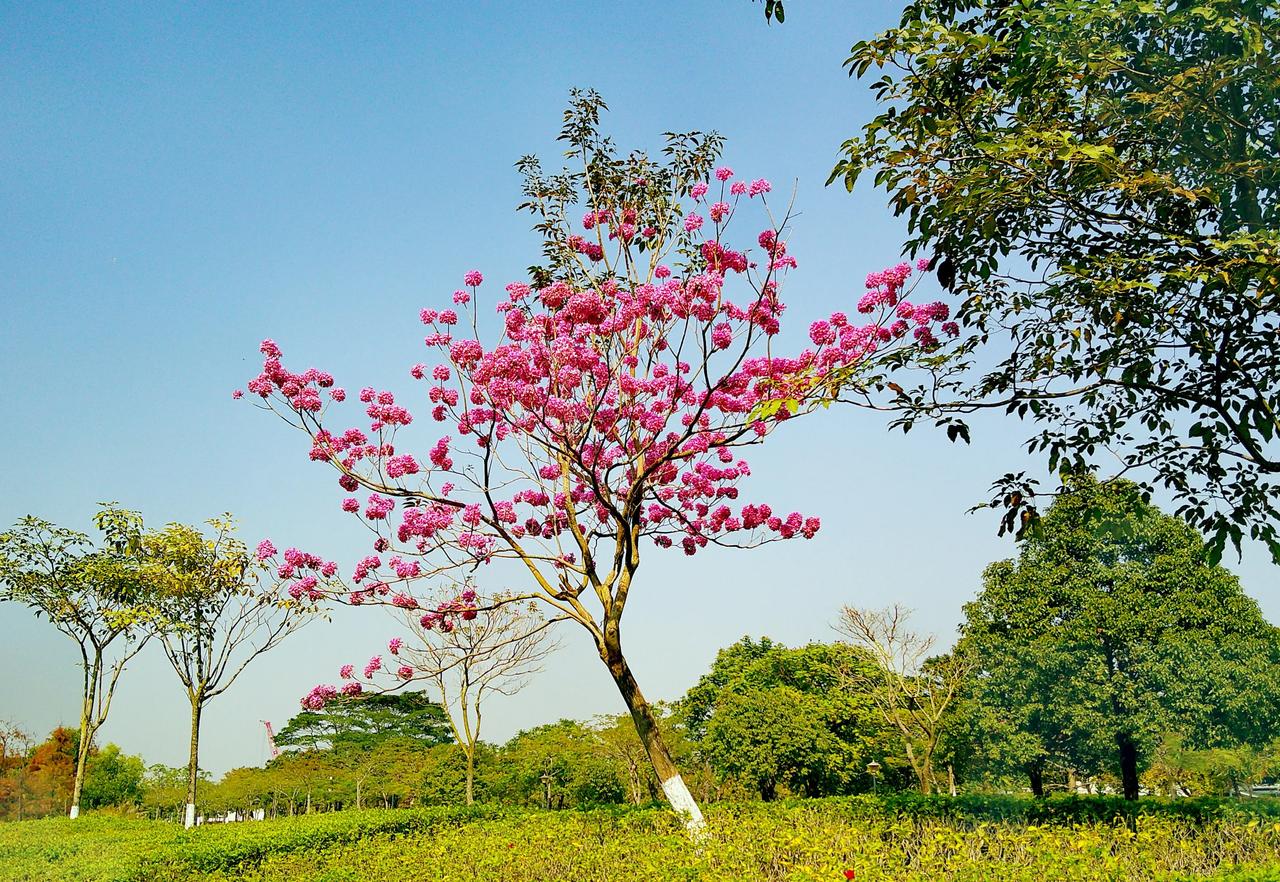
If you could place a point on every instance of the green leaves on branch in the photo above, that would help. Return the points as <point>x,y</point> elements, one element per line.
<point>1099,181</point>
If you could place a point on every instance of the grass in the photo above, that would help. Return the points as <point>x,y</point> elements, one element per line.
<point>900,840</point>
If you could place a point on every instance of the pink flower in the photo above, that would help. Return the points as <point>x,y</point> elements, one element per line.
<point>351,504</point>
<point>737,188</point>
<point>723,173</point>
<point>758,186</point>
<point>374,665</point>
<point>692,223</point>
<point>405,672</point>
<point>266,549</point>
<point>237,394</point>
<point>473,278</point>
<point>698,190</point>
<point>393,646</point>
<point>346,672</point>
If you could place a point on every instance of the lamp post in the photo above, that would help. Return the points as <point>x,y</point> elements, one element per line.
<point>873,769</point>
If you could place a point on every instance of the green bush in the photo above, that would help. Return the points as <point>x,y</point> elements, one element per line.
<point>904,838</point>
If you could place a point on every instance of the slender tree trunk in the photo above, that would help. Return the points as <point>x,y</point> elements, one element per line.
<point>673,786</point>
<point>951,779</point>
<point>193,761</point>
<point>471,775</point>
<point>1128,765</point>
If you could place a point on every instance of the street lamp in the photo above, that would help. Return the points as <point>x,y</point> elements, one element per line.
<point>873,769</point>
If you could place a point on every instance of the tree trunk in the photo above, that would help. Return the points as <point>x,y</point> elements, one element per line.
<point>1128,765</point>
<point>673,786</point>
<point>768,790</point>
<point>471,775</point>
<point>193,762</point>
<point>1036,774</point>
<point>82,759</point>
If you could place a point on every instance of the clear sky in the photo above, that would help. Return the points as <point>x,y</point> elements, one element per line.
<point>181,180</point>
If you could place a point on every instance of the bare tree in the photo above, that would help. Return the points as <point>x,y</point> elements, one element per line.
<point>911,688</point>
<point>222,608</point>
<point>467,659</point>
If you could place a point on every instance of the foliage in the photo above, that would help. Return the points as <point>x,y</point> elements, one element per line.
<point>113,778</point>
<point>1099,182</point>
<point>1110,630</point>
<point>780,718</point>
<point>909,839</point>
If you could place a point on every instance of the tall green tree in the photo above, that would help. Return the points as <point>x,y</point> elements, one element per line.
<point>221,608</point>
<point>774,717</point>
<point>113,778</point>
<point>99,596</point>
<point>1097,183</point>
<point>1112,629</point>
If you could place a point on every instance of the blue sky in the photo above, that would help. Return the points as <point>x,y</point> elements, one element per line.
<point>183,180</point>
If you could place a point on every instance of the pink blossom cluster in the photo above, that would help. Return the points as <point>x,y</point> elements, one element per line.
<point>612,401</point>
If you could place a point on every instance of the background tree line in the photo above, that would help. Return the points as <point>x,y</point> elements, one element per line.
<point>1109,655</point>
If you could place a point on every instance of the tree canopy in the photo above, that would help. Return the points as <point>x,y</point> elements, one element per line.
<point>1097,182</point>
<point>360,722</point>
<point>1110,630</point>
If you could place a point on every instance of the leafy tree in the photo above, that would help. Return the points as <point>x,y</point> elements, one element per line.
<point>222,608</point>
<point>113,778</point>
<point>1098,182</point>
<point>15,744</point>
<point>99,597</point>
<point>164,789</point>
<point>51,771</point>
<point>364,721</point>
<point>558,765</point>
<point>606,414</point>
<point>1111,629</point>
<point>772,716</point>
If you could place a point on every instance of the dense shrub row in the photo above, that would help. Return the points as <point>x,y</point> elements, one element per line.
<point>896,837</point>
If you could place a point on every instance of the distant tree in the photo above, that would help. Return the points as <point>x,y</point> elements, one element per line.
<point>221,608</point>
<point>1111,629</point>
<point>113,779</point>
<point>912,688</point>
<point>15,745</point>
<point>773,716</point>
<point>99,597</point>
<point>491,648</point>
<point>164,789</point>
<point>558,765</point>
<point>363,721</point>
<point>51,771</point>
<point>1100,184</point>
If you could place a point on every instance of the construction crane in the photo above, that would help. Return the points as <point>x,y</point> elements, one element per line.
<point>271,738</point>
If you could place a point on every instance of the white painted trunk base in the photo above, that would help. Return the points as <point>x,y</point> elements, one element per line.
<point>75,811</point>
<point>682,801</point>
<point>189,820</point>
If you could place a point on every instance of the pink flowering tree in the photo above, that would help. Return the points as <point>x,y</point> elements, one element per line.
<point>608,408</point>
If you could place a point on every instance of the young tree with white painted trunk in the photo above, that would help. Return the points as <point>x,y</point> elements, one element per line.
<point>99,596</point>
<point>607,411</point>
<point>222,607</point>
